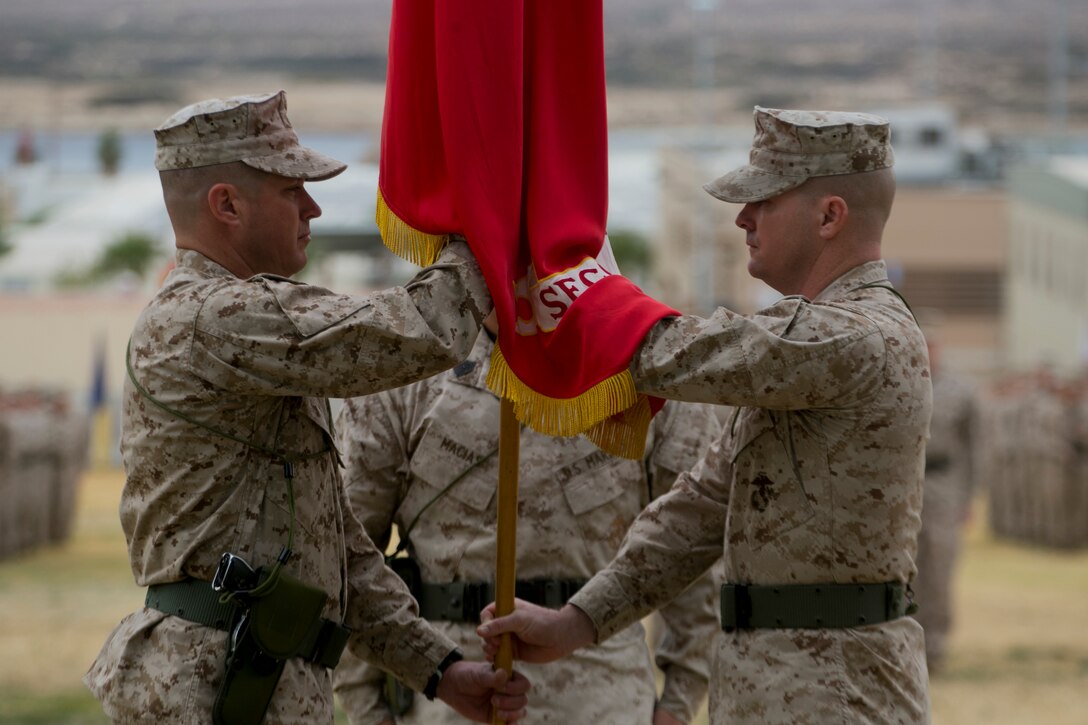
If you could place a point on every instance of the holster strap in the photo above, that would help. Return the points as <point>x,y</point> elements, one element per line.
<point>462,601</point>
<point>195,600</point>
<point>811,606</point>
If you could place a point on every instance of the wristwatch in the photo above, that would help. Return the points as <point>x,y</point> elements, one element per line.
<point>431,689</point>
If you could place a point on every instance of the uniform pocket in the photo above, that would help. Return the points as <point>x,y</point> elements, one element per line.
<point>445,471</point>
<point>770,496</point>
<point>446,454</point>
<point>604,494</point>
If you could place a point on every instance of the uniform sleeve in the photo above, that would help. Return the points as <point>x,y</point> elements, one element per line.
<point>671,543</point>
<point>388,631</point>
<point>274,336</point>
<point>793,355</point>
<point>372,444</point>
<point>682,434</point>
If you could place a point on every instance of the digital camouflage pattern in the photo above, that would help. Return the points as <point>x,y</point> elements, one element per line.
<point>254,358</point>
<point>949,484</point>
<point>791,147</point>
<point>252,129</point>
<point>817,479</point>
<point>402,447</point>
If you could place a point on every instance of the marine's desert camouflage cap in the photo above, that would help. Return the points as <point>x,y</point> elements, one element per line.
<point>251,129</point>
<point>791,147</point>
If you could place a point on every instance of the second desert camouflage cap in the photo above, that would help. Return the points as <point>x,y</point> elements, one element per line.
<point>251,129</point>
<point>791,147</point>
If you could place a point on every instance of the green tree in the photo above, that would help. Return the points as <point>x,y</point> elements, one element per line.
<point>632,252</point>
<point>109,152</point>
<point>5,245</point>
<point>133,252</point>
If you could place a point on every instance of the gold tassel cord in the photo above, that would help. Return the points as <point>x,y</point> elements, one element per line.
<point>611,413</point>
<point>624,434</point>
<point>405,241</point>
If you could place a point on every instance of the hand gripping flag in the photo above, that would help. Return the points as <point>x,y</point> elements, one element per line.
<point>495,129</point>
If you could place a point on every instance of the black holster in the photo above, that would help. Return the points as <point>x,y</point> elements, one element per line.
<point>267,631</point>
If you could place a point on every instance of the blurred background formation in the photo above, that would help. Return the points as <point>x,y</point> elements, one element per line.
<point>1034,457</point>
<point>43,453</point>
<point>988,101</point>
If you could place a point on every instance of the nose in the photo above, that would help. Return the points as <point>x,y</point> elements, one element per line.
<point>309,208</point>
<point>746,219</point>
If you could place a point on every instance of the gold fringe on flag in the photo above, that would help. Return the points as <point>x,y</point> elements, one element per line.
<point>624,434</point>
<point>611,414</point>
<point>404,241</point>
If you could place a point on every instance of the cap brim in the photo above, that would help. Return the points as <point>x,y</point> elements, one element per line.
<point>299,162</point>
<point>748,184</point>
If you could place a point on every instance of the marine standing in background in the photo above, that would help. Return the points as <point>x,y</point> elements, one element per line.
<point>946,505</point>
<point>813,495</point>
<point>233,506</point>
<point>424,457</point>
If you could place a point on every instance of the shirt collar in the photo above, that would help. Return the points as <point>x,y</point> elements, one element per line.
<point>863,274</point>
<point>191,259</point>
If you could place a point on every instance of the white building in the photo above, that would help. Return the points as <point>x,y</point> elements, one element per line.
<point>1047,283</point>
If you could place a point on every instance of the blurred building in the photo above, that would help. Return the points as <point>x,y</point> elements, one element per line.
<point>945,243</point>
<point>1047,285</point>
<point>946,247</point>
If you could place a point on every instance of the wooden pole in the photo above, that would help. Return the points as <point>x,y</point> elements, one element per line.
<point>506,529</point>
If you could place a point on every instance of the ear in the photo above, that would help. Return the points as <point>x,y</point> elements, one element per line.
<point>224,203</point>
<point>833,215</point>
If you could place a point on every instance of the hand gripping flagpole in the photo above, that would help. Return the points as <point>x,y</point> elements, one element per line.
<point>506,530</point>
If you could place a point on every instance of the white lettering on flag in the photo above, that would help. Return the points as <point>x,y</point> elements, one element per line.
<point>541,304</point>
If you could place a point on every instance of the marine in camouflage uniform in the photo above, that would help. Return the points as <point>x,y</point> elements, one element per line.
<point>234,373</point>
<point>814,492</point>
<point>403,447</point>
<point>949,483</point>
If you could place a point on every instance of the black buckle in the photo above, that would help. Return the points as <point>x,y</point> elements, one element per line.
<point>233,574</point>
<point>552,593</point>
<point>475,597</point>
<point>736,607</point>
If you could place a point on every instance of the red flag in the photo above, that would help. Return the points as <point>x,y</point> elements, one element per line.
<point>495,128</point>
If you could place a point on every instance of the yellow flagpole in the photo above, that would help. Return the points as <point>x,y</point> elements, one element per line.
<point>506,529</point>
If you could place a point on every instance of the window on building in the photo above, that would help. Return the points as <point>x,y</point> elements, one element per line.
<point>931,136</point>
<point>967,291</point>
